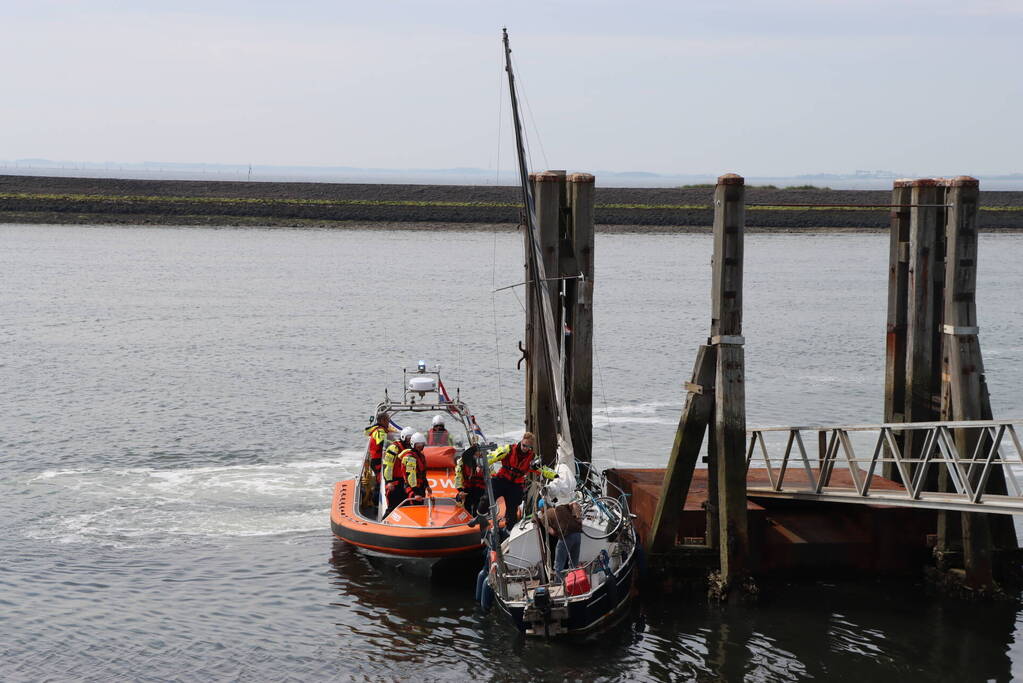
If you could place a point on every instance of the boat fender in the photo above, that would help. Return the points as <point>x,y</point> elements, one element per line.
<point>481,579</point>
<point>486,596</point>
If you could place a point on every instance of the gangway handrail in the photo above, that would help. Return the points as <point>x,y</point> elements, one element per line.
<point>969,451</point>
<point>894,426</point>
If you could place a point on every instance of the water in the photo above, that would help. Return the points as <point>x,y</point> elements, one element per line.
<point>175,405</point>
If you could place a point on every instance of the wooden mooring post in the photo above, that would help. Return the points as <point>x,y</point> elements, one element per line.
<point>577,269</point>
<point>541,412</point>
<point>716,401</point>
<point>965,395</point>
<point>564,208</point>
<point>729,386</point>
<point>925,299</point>
<point>933,367</point>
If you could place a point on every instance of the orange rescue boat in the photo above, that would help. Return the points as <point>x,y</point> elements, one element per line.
<point>434,528</point>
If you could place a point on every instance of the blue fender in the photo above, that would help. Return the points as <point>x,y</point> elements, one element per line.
<point>486,596</point>
<point>481,580</point>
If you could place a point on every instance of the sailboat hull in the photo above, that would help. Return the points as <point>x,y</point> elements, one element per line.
<point>584,613</point>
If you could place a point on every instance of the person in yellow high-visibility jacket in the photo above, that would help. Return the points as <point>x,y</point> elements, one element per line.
<point>393,472</point>
<point>517,460</point>
<point>414,462</point>
<point>377,433</point>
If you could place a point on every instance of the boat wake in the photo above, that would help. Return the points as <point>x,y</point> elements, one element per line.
<point>146,507</point>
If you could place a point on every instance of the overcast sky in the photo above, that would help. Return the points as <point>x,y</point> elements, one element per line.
<point>760,88</point>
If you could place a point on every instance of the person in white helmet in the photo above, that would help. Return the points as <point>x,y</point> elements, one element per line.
<point>417,487</point>
<point>394,469</point>
<point>439,434</point>
<point>392,457</point>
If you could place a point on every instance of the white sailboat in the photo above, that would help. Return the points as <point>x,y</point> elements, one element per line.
<point>520,576</point>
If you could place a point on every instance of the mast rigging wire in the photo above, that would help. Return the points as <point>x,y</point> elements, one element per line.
<point>493,258</point>
<point>532,120</point>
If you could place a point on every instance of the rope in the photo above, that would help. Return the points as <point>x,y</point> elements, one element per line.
<point>493,260</point>
<point>500,121</point>
<point>532,119</point>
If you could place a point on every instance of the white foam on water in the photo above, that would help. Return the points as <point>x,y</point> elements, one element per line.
<point>152,506</point>
<point>637,408</point>
<point>836,379</point>
<point>602,421</point>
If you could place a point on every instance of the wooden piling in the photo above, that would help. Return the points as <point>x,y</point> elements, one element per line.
<point>923,361</point>
<point>712,532</point>
<point>729,389</point>
<point>895,347</point>
<point>966,396</point>
<point>579,313</point>
<point>547,190</point>
<point>685,451</point>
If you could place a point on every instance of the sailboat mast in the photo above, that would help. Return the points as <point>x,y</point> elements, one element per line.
<point>537,275</point>
<point>527,193</point>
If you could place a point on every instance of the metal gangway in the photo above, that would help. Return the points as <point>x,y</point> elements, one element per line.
<point>792,475</point>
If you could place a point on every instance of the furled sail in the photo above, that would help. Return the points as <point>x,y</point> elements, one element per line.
<point>538,276</point>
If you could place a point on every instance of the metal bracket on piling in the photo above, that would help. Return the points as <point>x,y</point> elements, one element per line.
<point>694,388</point>
<point>960,331</point>
<point>729,339</point>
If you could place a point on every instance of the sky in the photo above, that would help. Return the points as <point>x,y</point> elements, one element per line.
<point>759,88</point>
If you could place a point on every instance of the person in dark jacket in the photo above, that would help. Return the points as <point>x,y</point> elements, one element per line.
<point>564,522</point>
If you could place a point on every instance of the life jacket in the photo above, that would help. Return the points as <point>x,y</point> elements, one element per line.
<point>516,465</point>
<point>414,466</point>
<point>393,470</point>
<point>469,477</point>
<point>438,437</point>
<point>377,438</point>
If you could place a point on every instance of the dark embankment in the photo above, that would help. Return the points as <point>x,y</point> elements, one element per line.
<point>32,199</point>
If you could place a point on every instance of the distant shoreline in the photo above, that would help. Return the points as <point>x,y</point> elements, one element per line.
<point>106,201</point>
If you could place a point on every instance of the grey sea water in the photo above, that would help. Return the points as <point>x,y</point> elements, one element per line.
<point>175,404</point>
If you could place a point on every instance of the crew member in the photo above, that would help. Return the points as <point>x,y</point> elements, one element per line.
<point>392,472</point>
<point>438,434</point>
<point>416,485</point>
<point>377,433</point>
<point>517,460</point>
<point>392,454</point>
<point>469,481</point>
<point>564,523</point>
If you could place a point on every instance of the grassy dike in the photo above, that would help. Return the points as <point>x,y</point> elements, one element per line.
<point>26,199</point>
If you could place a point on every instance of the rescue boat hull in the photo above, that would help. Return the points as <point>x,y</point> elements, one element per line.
<point>398,541</point>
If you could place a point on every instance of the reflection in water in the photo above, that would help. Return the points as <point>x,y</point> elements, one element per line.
<point>797,631</point>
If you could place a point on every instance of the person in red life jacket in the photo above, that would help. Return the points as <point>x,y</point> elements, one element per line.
<point>469,481</point>
<point>414,462</point>
<point>439,434</point>
<point>377,433</point>
<point>517,460</point>
<point>393,472</point>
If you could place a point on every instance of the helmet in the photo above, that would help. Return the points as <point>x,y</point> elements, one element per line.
<point>418,438</point>
<point>406,433</point>
<point>438,420</point>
